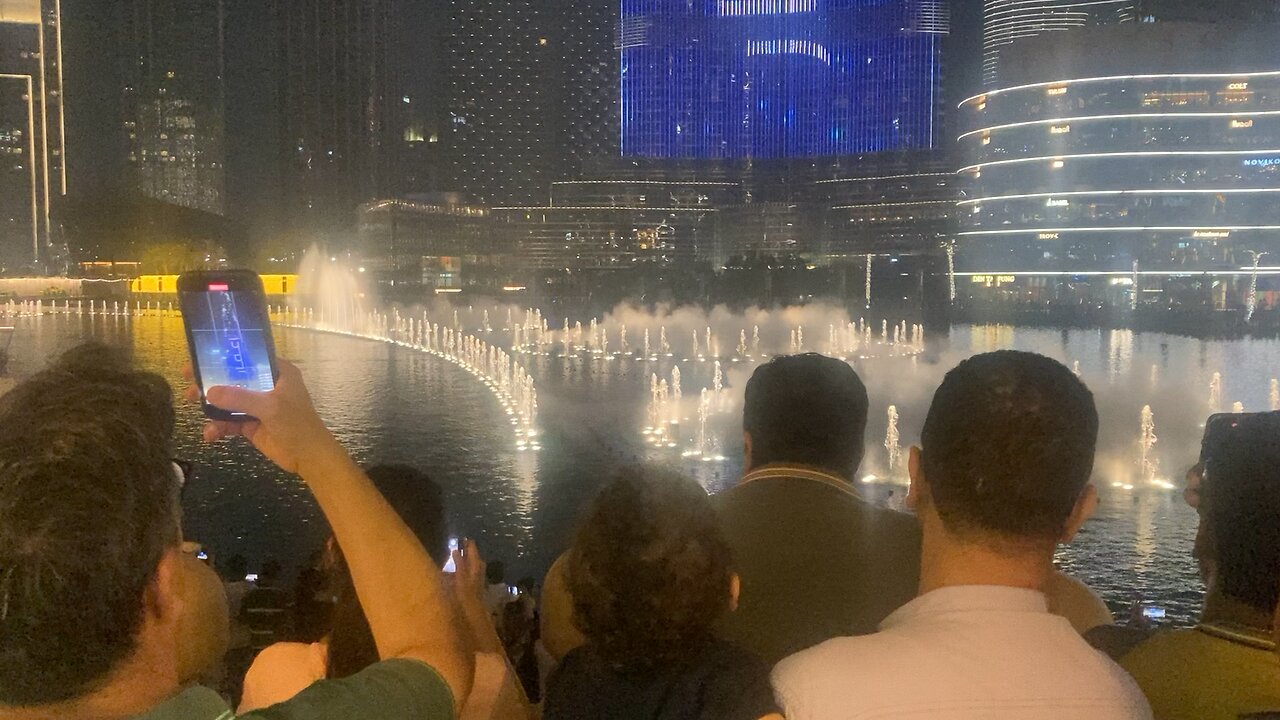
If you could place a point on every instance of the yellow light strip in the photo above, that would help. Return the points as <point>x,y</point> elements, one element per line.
<point>1111,78</point>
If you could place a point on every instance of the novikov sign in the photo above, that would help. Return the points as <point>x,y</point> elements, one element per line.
<point>1261,162</point>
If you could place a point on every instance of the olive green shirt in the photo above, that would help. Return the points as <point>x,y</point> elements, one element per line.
<point>814,559</point>
<point>1212,672</point>
<point>389,690</point>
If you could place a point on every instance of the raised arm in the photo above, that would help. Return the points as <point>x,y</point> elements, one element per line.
<point>398,585</point>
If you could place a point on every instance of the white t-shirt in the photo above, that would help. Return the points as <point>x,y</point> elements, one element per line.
<point>976,651</point>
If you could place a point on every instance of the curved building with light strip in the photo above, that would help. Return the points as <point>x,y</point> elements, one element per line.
<point>1124,174</point>
<point>1005,22</point>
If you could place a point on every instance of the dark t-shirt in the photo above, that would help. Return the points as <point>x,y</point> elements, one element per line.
<point>721,682</point>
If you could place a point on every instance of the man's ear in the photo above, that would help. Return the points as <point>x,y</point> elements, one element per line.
<point>746,450</point>
<point>915,468</point>
<point>1086,504</point>
<point>163,601</point>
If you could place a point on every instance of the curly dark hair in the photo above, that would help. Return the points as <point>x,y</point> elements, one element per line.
<point>88,506</point>
<point>650,570</point>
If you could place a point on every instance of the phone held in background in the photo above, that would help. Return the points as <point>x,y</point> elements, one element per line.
<point>228,333</point>
<point>1153,613</point>
<point>251,577</point>
<point>1235,433</point>
<point>449,565</point>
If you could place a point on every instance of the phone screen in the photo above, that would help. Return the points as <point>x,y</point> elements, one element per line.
<point>1154,613</point>
<point>251,577</point>
<point>229,333</point>
<point>449,565</point>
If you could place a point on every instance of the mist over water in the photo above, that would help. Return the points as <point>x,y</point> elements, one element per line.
<point>391,403</point>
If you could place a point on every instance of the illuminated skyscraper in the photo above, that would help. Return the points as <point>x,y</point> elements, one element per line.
<point>759,79</point>
<point>501,100</point>
<point>33,174</point>
<point>340,108</point>
<point>174,101</point>
<point>1006,21</point>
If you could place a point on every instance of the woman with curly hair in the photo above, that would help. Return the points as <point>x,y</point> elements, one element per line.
<point>650,575</point>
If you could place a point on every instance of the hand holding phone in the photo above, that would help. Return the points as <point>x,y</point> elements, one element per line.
<point>228,334</point>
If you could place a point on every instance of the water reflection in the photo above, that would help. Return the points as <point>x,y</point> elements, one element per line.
<point>391,404</point>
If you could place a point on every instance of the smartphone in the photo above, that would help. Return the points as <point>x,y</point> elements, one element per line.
<point>228,333</point>
<point>251,577</point>
<point>513,591</point>
<point>1153,613</point>
<point>202,555</point>
<point>449,565</point>
<point>1235,432</point>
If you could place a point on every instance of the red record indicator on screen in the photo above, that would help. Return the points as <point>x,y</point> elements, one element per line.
<point>218,287</point>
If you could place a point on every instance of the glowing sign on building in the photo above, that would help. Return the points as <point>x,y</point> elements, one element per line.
<point>1261,162</point>
<point>731,8</point>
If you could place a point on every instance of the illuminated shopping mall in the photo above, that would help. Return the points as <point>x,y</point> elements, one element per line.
<point>1090,165</point>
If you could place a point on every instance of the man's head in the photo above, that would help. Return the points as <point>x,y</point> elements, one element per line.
<point>1240,511</point>
<point>807,410</point>
<point>1007,452</point>
<point>89,525</point>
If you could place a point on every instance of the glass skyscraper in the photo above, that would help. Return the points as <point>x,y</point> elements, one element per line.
<point>1007,21</point>
<point>759,79</point>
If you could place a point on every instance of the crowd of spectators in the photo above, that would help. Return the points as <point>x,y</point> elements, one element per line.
<point>788,595</point>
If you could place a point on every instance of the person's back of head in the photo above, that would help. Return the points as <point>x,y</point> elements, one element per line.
<point>1008,449</point>
<point>88,508</point>
<point>495,573</point>
<point>270,575</point>
<point>419,502</point>
<point>237,566</point>
<point>1240,504</point>
<point>649,571</point>
<point>808,410</point>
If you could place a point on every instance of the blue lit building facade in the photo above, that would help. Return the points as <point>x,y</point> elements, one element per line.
<point>762,79</point>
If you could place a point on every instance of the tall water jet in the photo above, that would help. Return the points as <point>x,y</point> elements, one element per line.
<point>704,410</point>
<point>711,351</point>
<point>664,347</point>
<point>793,348</point>
<point>868,287</point>
<point>696,352</point>
<point>717,382</point>
<point>800,338</point>
<point>892,442</point>
<point>1215,393</point>
<point>623,347</point>
<point>755,339</point>
<point>646,342</point>
<point>677,394</point>
<point>1075,368</point>
<point>742,342</point>
<point>1146,443</point>
<point>1237,407</point>
<point>1155,376</point>
<point>485,322</point>
<point>1275,395</point>
<point>593,343</point>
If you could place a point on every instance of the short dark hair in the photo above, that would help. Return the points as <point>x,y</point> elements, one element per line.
<point>1008,446</point>
<point>419,502</point>
<point>495,572</point>
<point>88,506</point>
<point>1240,502</point>
<point>808,409</point>
<point>236,568</point>
<point>649,571</point>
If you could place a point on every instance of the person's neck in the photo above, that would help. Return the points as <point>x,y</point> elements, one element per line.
<point>947,561</point>
<point>1218,608</point>
<point>131,691</point>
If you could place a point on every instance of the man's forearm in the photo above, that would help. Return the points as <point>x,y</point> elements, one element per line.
<point>398,585</point>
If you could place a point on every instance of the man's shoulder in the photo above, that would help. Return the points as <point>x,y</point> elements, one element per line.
<point>389,690</point>
<point>841,660</point>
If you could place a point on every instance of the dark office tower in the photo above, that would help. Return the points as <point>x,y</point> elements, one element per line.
<point>33,173</point>
<point>760,79</point>
<point>340,109</point>
<point>174,101</point>
<point>586,33</point>
<point>502,100</point>
<point>1006,21</point>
